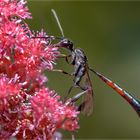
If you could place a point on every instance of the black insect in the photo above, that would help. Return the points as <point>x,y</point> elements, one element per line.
<point>81,70</point>
<point>79,60</point>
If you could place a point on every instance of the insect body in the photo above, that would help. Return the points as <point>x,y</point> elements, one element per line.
<point>78,60</point>
<point>81,70</point>
<point>80,63</point>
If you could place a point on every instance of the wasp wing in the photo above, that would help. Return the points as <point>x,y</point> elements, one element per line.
<point>87,105</point>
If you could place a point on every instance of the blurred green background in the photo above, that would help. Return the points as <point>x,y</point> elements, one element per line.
<point>109,33</point>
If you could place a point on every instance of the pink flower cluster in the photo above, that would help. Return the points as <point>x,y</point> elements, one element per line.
<point>28,109</point>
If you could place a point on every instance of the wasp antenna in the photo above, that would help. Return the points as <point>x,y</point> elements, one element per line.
<point>58,22</point>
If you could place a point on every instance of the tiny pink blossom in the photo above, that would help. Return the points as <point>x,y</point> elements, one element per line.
<point>10,8</point>
<point>28,109</point>
<point>49,111</point>
<point>8,87</point>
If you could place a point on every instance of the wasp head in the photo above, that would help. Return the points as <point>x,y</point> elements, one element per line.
<point>67,44</point>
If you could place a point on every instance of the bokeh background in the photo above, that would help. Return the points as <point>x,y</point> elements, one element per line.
<point>109,33</point>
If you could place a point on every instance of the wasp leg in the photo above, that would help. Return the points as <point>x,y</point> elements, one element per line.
<point>81,87</point>
<point>76,86</point>
<point>77,96</point>
<point>65,56</point>
<point>69,91</point>
<point>62,71</point>
<point>67,60</point>
<point>62,56</point>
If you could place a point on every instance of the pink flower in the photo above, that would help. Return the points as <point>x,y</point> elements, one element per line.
<point>10,92</point>
<point>50,114</point>
<point>28,109</point>
<point>13,33</point>
<point>9,87</point>
<point>23,55</point>
<point>11,100</point>
<point>10,8</point>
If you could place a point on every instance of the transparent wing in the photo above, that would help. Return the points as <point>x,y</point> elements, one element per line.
<point>87,105</point>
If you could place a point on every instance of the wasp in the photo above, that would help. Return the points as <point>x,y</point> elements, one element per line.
<point>81,70</point>
<point>79,60</point>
